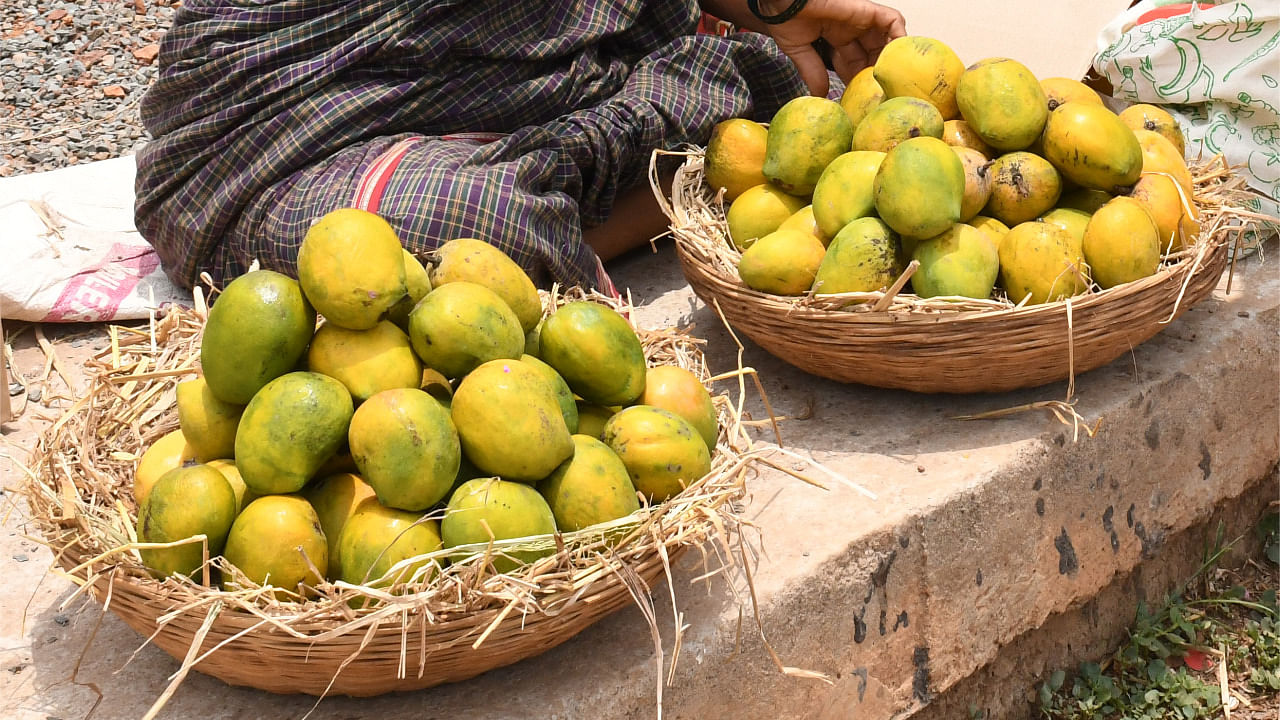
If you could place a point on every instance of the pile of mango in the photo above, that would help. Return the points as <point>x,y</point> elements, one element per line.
<point>376,409</point>
<point>991,179</point>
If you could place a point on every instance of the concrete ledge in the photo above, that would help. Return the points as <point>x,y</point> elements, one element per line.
<point>981,533</point>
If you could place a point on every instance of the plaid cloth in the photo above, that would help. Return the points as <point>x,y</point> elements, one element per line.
<point>268,114</point>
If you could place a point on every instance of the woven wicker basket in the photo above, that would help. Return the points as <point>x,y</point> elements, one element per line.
<point>453,627</point>
<point>898,341</point>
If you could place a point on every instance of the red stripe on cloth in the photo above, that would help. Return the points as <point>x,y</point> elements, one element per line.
<point>374,181</point>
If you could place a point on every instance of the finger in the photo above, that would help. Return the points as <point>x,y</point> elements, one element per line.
<point>812,70</point>
<point>849,60</point>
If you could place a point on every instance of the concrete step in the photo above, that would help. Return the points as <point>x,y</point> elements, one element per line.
<point>988,541</point>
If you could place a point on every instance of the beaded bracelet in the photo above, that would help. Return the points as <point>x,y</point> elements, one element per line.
<point>785,15</point>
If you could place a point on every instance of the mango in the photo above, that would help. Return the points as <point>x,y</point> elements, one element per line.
<point>759,211</point>
<point>678,390</point>
<point>592,418</point>
<point>960,261</point>
<point>959,133</point>
<point>277,541</point>
<point>228,468</point>
<point>185,502</point>
<point>1160,195</point>
<point>488,509</point>
<point>921,67</point>
<point>461,325</point>
<point>1091,147</point>
<point>863,257</point>
<point>992,229</point>
<point>895,120</point>
<point>663,453</point>
<point>476,261</point>
<point>406,447</point>
<point>861,95</point>
<point>1038,263</point>
<point>1143,116</point>
<point>1059,90</point>
<point>208,423</point>
<point>1024,186</point>
<point>734,158</point>
<point>418,283</point>
<point>533,339</point>
<point>289,429</point>
<point>1084,199</point>
<point>258,330</point>
<point>845,190</point>
<point>1121,243</point>
<point>351,268</point>
<point>589,488</point>
<point>365,361</point>
<point>509,422</point>
<point>596,351</point>
<point>803,221</point>
<point>1160,156</point>
<point>977,181</point>
<point>919,188</point>
<point>805,135</point>
<point>171,450</point>
<point>377,538</point>
<point>1074,222</point>
<point>564,396</point>
<point>1003,102</point>
<point>335,499</point>
<point>783,262</point>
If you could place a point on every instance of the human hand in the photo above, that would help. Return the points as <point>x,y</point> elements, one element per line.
<point>856,30</point>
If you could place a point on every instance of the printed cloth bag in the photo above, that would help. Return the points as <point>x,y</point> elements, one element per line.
<point>1215,69</point>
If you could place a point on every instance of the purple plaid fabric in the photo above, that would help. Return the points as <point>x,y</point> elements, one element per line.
<point>268,114</point>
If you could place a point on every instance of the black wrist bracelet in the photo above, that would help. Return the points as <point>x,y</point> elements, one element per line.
<point>785,15</point>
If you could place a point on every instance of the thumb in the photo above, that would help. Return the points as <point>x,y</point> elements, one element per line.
<point>811,67</point>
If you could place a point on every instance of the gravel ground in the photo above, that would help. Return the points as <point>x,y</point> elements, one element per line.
<point>71,76</point>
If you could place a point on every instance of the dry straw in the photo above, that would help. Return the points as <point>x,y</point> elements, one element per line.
<point>954,345</point>
<point>447,624</point>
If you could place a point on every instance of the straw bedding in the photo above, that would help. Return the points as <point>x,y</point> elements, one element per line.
<point>954,345</point>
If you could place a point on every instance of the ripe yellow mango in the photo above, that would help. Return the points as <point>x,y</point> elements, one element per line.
<point>228,468</point>
<point>596,351</point>
<point>377,538</point>
<point>1160,156</point>
<point>509,422</point>
<point>1003,102</point>
<point>1038,263</point>
<point>208,423</point>
<point>185,502</point>
<point>487,509</point>
<point>1121,243</point>
<point>290,428</point>
<point>564,396</point>
<point>351,267</point>
<point>678,390</point>
<point>735,156</point>
<point>335,499</point>
<point>170,451</point>
<point>861,95</point>
<point>418,283</point>
<point>460,325</point>
<point>277,540</point>
<point>805,135</point>
<point>845,190</point>
<point>1024,186</point>
<point>1084,199</point>
<point>1061,90</point>
<point>977,181</point>
<point>759,211</point>
<point>921,67</point>
<point>919,188</point>
<point>804,221</point>
<point>863,257</point>
<point>1156,119</point>
<point>959,262</point>
<point>1091,147</point>
<point>365,361</point>
<point>959,133</point>
<point>992,229</point>
<point>592,418</point>
<point>1160,195</point>
<point>476,261</point>
<point>663,453</point>
<point>782,262</point>
<point>1074,222</point>
<point>895,120</point>
<point>589,488</point>
<point>406,447</point>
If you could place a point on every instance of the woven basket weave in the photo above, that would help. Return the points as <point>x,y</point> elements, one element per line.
<point>928,346</point>
<point>79,492</point>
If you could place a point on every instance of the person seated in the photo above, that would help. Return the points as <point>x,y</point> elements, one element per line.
<point>527,125</point>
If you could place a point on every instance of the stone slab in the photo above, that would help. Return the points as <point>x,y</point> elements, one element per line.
<point>980,532</point>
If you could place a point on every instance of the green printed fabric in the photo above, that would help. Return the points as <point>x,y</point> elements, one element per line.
<point>1213,69</point>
